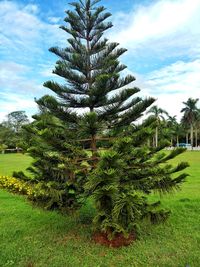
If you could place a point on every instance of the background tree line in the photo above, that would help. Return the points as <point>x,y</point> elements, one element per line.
<point>12,134</point>
<point>186,131</point>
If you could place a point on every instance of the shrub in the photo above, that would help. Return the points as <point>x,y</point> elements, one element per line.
<point>49,195</point>
<point>15,185</point>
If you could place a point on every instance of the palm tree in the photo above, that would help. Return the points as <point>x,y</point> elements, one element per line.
<point>158,114</point>
<point>171,124</point>
<point>179,130</point>
<point>186,129</point>
<point>190,115</point>
<point>197,127</point>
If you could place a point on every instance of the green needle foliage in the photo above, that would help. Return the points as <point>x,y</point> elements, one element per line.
<point>55,169</point>
<point>96,108</point>
<point>93,103</point>
<point>123,179</point>
<point>91,70</point>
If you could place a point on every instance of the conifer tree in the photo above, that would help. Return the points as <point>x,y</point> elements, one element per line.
<point>97,103</point>
<point>91,69</point>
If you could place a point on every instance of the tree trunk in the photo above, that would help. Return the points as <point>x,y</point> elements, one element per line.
<point>196,137</point>
<point>177,141</point>
<point>156,137</point>
<point>186,138</point>
<point>94,150</point>
<point>191,135</point>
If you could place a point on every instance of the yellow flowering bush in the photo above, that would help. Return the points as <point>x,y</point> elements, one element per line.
<point>42,193</point>
<point>39,192</point>
<point>15,185</point>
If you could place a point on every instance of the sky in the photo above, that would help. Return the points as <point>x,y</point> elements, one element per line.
<point>162,38</point>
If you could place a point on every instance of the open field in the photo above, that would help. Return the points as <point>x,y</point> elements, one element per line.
<point>13,162</point>
<point>33,237</point>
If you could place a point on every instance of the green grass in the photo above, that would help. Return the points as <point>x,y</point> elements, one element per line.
<point>13,162</point>
<point>33,237</point>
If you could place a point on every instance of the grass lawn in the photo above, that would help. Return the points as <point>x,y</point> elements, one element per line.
<point>13,162</point>
<point>32,237</point>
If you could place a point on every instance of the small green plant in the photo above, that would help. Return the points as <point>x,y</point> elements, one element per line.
<point>87,212</point>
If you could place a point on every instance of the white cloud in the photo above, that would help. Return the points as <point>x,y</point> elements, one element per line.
<point>54,20</point>
<point>24,27</point>
<point>30,8</point>
<point>13,78</point>
<point>24,38</point>
<point>163,36</point>
<point>26,34</point>
<point>17,90</point>
<point>13,102</point>
<point>46,70</point>
<point>182,77</point>
<point>162,24</point>
<point>172,85</point>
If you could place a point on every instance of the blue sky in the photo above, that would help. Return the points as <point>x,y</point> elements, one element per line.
<point>162,38</point>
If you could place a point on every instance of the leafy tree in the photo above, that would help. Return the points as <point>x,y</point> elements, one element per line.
<point>176,130</point>
<point>11,132</point>
<point>190,115</point>
<point>197,127</point>
<point>2,147</point>
<point>158,114</point>
<point>7,135</point>
<point>186,129</point>
<point>17,119</point>
<point>179,131</point>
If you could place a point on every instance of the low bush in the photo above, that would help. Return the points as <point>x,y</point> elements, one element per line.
<point>15,185</point>
<point>87,212</point>
<point>48,195</point>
